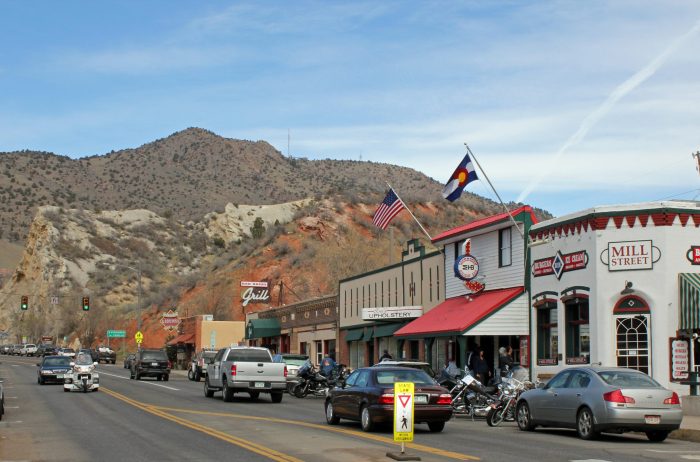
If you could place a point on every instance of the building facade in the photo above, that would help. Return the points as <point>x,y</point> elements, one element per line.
<point>617,286</point>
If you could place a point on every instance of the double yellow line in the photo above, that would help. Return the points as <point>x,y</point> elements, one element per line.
<point>165,412</point>
<point>245,444</point>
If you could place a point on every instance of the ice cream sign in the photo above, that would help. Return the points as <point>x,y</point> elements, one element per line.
<point>630,255</point>
<point>560,264</point>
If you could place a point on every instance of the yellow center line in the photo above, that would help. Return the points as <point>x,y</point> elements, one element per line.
<point>369,436</point>
<point>245,444</point>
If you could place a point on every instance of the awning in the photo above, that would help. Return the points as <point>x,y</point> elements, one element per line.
<point>368,334</point>
<point>354,335</point>
<point>386,330</point>
<point>259,328</point>
<point>456,315</point>
<point>689,300</point>
<point>182,338</point>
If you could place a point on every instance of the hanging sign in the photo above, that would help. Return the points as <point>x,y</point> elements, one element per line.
<point>403,411</point>
<point>693,255</point>
<point>630,255</point>
<point>169,320</point>
<point>680,359</point>
<point>560,264</point>
<point>255,295</point>
<point>466,266</point>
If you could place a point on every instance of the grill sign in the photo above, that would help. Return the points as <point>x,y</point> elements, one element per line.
<point>255,295</point>
<point>693,255</point>
<point>560,264</point>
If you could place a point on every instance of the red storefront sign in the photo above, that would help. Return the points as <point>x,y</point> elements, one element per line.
<point>693,255</point>
<point>560,264</point>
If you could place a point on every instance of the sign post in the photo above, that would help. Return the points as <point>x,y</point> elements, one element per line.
<point>403,419</point>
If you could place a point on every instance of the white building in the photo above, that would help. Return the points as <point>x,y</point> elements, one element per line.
<point>617,285</point>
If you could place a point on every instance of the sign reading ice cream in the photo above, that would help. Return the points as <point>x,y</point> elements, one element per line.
<point>630,255</point>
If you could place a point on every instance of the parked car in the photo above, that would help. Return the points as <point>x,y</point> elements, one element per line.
<point>5,349</point>
<point>106,355</point>
<point>92,352</point>
<point>128,360</point>
<point>70,352</point>
<point>16,349</point>
<point>151,363</point>
<point>28,349</point>
<point>594,400</point>
<point>53,369</point>
<point>423,366</point>
<point>293,362</point>
<point>245,369</point>
<point>198,365</point>
<point>368,396</point>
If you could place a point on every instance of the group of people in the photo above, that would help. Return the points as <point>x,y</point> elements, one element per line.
<point>480,367</point>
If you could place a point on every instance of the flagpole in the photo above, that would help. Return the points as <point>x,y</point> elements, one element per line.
<point>522,234</point>
<point>409,211</point>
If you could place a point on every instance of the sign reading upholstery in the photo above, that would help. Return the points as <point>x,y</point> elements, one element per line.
<point>680,359</point>
<point>392,312</point>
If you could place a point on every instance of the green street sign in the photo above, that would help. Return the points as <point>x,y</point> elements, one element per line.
<point>116,334</point>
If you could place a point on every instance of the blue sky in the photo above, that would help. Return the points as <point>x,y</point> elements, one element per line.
<point>567,105</point>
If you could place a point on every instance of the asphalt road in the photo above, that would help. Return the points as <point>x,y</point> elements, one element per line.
<point>130,420</point>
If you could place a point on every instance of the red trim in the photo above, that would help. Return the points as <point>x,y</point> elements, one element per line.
<point>684,218</point>
<point>601,222</point>
<point>644,219</point>
<point>544,301</point>
<point>474,225</point>
<point>620,309</point>
<point>630,220</point>
<point>696,220</point>
<point>568,297</point>
<point>618,221</point>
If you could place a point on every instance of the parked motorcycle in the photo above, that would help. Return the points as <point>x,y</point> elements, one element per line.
<point>471,397</point>
<point>311,381</point>
<point>503,409</point>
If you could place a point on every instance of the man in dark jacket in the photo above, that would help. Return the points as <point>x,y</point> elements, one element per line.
<point>481,368</point>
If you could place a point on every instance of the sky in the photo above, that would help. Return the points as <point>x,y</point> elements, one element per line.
<point>565,104</point>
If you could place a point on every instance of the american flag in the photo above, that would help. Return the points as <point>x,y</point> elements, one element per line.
<point>388,209</point>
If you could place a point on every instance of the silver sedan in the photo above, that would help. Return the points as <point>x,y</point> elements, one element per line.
<point>594,400</point>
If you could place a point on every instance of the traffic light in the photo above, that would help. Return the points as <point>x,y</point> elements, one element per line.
<point>86,303</point>
<point>25,302</point>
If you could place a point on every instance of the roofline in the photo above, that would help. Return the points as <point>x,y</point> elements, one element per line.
<point>485,222</point>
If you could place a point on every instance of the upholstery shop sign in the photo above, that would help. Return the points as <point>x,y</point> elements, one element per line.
<point>560,264</point>
<point>255,292</point>
<point>680,359</point>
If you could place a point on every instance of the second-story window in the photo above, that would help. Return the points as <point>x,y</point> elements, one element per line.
<point>505,247</point>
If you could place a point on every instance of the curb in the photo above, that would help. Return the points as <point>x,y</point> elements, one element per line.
<point>686,434</point>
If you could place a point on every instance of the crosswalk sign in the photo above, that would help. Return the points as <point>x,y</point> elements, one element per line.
<point>403,411</point>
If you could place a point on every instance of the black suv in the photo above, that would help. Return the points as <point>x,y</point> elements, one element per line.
<point>151,363</point>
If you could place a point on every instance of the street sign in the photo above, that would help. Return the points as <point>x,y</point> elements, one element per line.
<point>138,337</point>
<point>403,411</point>
<point>116,334</point>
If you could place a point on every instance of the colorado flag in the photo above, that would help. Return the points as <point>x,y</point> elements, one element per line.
<point>462,176</point>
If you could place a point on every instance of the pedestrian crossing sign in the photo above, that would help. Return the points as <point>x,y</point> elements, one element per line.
<point>403,411</point>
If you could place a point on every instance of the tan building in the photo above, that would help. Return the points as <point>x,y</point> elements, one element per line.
<point>373,305</point>
<point>199,332</point>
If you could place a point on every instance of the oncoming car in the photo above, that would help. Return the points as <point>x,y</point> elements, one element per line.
<point>594,400</point>
<point>53,369</point>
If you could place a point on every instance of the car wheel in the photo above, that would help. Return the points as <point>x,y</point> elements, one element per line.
<point>276,397</point>
<point>40,380</point>
<point>166,377</point>
<point>131,375</point>
<point>524,417</point>
<point>190,374</point>
<point>159,377</point>
<point>197,376</point>
<point>254,395</point>
<point>138,376</point>
<point>227,392</point>
<point>657,436</point>
<point>207,391</point>
<point>436,427</point>
<point>331,418</point>
<point>585,426</point>
<point>366,420</point>
<point>67,390</point>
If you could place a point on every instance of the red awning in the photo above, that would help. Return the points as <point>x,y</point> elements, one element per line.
<point>183,338</point>
<point>456,315</point>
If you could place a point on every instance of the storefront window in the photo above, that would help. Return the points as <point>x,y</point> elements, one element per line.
<point>547,334</point>
<point>578,335</point>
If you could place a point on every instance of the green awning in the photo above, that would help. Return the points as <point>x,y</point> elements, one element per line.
<point>354,335</point>
<point>386,330</point>
<point>259,328</point>
<point>689,300</point>
<point>368,334</point>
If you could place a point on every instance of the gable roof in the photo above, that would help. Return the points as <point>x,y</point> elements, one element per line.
<point>484,222</point>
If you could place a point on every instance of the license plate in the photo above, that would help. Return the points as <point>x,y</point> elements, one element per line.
<point>259,384</point>
<point>467,379</point>
<point>652,419</point>
<point>154,364</point>
<point>421,399</point>
<point>59,376</point>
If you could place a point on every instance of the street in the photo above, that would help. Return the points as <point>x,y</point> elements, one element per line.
<point>149,420</point>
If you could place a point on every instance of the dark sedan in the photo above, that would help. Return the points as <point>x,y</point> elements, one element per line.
<point>53,369</point>
<point>368,396</point>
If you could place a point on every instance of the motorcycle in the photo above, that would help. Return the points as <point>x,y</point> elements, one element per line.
<point>83,376</point>
<point>470,397</point>
<point>311,381</point>
<point>503,409</point>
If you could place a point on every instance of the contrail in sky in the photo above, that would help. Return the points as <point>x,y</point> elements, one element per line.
<point>593,118</point>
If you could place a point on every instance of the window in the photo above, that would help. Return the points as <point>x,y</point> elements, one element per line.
<point>319,351</point>
<point>547,334</point>
<point>363,379</point>
<point>304,348</point>
<point>352,378</point>
<point>505,248</point>
<point>579,380</point>
<point>560,380</point>
<point>578,333</point>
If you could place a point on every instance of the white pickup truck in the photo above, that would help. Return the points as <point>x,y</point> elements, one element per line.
<point>245,369</point>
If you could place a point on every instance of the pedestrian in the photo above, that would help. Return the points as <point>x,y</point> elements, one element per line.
<point>385,356</point>
<point>481,368</point>
<point>505,360</point>
<point>328,365</point>
<point>472,357</point>
<point>451,368</point>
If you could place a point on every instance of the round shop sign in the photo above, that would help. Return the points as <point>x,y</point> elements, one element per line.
<point>466,267</point>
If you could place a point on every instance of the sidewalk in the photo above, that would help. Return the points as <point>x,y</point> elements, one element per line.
<point>690,429</point>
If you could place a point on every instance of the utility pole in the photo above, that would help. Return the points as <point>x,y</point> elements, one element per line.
<point>696,156</point>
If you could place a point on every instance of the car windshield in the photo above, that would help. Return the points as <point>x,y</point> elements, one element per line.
<point>628,379</point>
<point>209,354</point>
<point>154,356</point>
<point>83,359</point>
<point>68,350</point>
<point>393,376</point>
<point>57,362</point>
